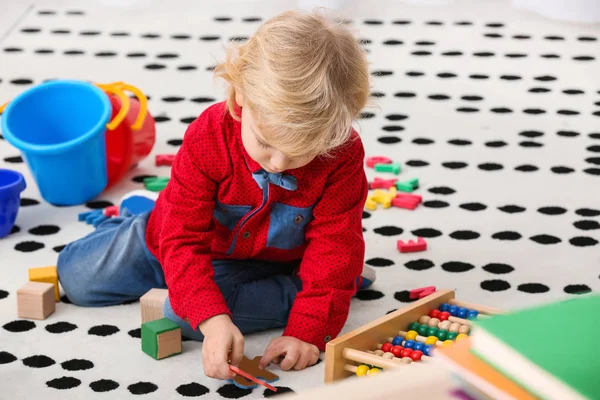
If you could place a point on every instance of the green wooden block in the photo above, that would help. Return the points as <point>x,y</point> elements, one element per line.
<point>395,168</point>
<point>161,338</point>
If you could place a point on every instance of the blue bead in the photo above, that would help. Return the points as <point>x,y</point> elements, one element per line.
<point>419,346</point>
<point>397,341</point>
<point>444,307</point>
<point>409,344</point>
<point>428,349</point>
<point>472,314</point>
<point>453,310</point>
<point>462,312</point>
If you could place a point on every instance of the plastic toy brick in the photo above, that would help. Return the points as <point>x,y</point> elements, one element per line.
<point>370,204</point>
<point>418,293</point>
<point>161,338</point>
<point>408,201</point>
<point>426,293</point>
<point>379,183</point>
<point>250,366</point>
<point>111,211</point>
<point>156,184</point>
<point>47,275</point>
<point>164,159</point>
<point>411,246</point>
<point>395,168</point>
<point>371,161</point>
<point>409,186</point>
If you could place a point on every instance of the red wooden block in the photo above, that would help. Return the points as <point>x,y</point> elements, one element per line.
<point>111,211</point>
<point>412,246</point>
<point>379,183</point>
<point>164,159</point>
<point>426,293</point>
<point>371,161</point>
<point>416,293</point>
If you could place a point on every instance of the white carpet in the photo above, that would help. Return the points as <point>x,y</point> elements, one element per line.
<point>474,91</point>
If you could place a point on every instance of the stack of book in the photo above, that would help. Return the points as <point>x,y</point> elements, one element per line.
<point>542,352</point>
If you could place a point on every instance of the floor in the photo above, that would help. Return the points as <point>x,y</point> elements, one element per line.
<point>495,110</point>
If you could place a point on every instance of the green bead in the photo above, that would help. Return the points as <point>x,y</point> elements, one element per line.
<point>414,326</point>
<point>432,331</point>
<point>452,335</point>
<point>422,330</point>
<point>442,334</point>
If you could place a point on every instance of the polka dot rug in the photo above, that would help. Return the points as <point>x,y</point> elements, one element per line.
<point>495,110</point>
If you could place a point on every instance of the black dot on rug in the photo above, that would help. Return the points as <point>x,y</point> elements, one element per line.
<point>495,285</point>
<point>396,117</point>
<point>230,391</point>
<point>392,128</point>
<point>435,204</point>
<point>19,326</point>
<point>103,330</point>
<point>583,241</point>
<point>464,235</point>
<point>6,357</point>
<point>460,142</point>
<point>38,361</point>
<point>382,73</point>
<point>26,202</point>
<point>192,390</point>
<point>479,76</point>
<point>202,99</point>
<point>377,94</point>
<point>454,165</point>
<point>369,294</point>
<point>61,327</point>
<point>175,142</point>
<point>545,239</point>
<point>135,333</point>
<point>366,115</point>
<point>405,95</point>
<point>587,225</point>
<point>457,266</point>
<point>14,160</point>
<point>379,262</point>
<point>21,81</point>
<point>422,141</point>
<point>155,67</point>
<point>512,209</point>
<point>404,297</point>
<point>592,171</point>
<point>501,110</point>
<point>414,73</point>
<point>142,388</point>
<point>507,235</point>
<point>388,230</point>
<point>490,167</point>
<point>66,382</point>
<point>98,204</point>
<point>443,190</point>
<point>530,144</point>
<point>43,230</point>
<point>593,160</point>
<point>587,212</point>
<point>60,248</point>
<point>15,229</point>
<point>473,206</point>
<point>65,299</point>
<point>140,178</point>
<point>446,75</point>
<point>77,364</point>
<point>210,38</point>
<point>568,133</point>
<point>103,385</point>
<point>419,265</point>
<point>562,170</point>
<point>29,246</point>
<point>552,210</point>
<point>533,288</point>
<point>426,232</point>
<point>498,268</point>
<point>531,134</point>
<point>417,163</point>
<point>3,294</point>
<point>389,139</point>
<point>280,390</point>
<point>187,120</point>
<point>577,289</point>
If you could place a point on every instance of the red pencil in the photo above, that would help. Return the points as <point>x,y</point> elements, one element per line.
<point>250,377</point>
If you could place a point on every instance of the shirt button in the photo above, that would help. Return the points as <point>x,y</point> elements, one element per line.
<point>299,218</point>
<point>246,235</point>
<point>327,338</point>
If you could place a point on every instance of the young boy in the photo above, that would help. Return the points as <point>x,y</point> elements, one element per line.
<point>260,225</point>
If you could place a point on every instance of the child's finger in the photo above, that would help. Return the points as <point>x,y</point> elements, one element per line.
<point>272,352</point>
<point>302,362</point>
<point>291,358</point>
<point>237,350</point>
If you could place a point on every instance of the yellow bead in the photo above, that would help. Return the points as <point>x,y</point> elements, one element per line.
<point>362,370</point>
<point>447,343</point>
<point>461,336</point>
<point>411,335</point>
<point>373,371</point>
<point>431,340</point>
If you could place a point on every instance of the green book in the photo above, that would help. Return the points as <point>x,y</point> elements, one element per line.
<point>550,350</point>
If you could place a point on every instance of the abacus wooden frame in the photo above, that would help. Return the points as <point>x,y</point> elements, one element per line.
<point>368,336</point>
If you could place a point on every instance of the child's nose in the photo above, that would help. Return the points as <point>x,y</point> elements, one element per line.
<point>279,162</point>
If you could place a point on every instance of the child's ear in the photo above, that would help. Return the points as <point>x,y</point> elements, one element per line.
<point>239,98</point>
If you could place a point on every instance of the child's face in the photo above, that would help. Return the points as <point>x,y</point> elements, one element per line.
<point>269,158</point>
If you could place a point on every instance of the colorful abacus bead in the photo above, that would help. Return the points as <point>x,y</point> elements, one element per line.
<point>373,371</point>
<point>442,334</point>
<point>452,335</point>
<point>416,355</point>
<point>472,314</point>
<point>444,307</point>
<point>464,329</point>
<point>386,347</point>
<point>409,344</point>
<point>431,340</point>
<point>397,341</point>
<point>396,350</point>
<point>434,313</point>
<point>406,352</point>
<point>454,327</point>
<point>413,326</point>
<point>462,312</point>
<point>362,370</point>
<point>419,346</point>
<point>453,310</point>
<point>423,329</point>
<point>411,335</point>
<point>428,349</point>
<point>447,343</point>
<point>461,336</point>
<point>444,315</point>
<point>432,332</point>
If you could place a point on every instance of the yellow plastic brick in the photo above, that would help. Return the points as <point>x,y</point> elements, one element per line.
<point>48,275</point>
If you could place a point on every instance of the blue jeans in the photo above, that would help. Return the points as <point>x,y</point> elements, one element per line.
<point>113,265</point>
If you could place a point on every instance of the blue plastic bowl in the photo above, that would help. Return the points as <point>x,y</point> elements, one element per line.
<point>12,184</point>
<point>60,126</point>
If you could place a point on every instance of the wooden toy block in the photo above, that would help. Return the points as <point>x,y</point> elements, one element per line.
<point>371,161</point>
<point>250,366</point>
<point>161,338</point>
<point>48,275</point>
<point>411,246</point>
<point>35,300</point>
<point>416,293</point>
<point>151,304</point>
<point>164,159</point>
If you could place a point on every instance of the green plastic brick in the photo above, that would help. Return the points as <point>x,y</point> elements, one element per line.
<point>156,184</point>
<point>408,186</point>
<point>394,167</point>
<point>150,336</point>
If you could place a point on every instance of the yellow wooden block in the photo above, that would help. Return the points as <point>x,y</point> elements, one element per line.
<point>48,275</point>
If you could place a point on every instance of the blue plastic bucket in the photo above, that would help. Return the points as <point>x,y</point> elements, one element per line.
<point>12,184</point>
<point>59,126</point>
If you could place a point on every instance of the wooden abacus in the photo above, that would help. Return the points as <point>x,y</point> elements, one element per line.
<point>403,336</point>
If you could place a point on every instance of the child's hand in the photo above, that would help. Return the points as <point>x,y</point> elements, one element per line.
<point>298,354</point>
<point>221,337</point>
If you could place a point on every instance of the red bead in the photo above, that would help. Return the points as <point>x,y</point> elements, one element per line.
<point>416,355</point>
<point>434,313</point>
<point>386,347</point>
<point>406,353</point>
<point>444,316</point>
<point>397,350</point>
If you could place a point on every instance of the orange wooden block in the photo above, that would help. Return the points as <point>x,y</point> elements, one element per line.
<point>35,300</point>
<point>48,275</point>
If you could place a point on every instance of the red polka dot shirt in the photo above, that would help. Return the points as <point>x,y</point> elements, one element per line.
<point>213,171</point>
